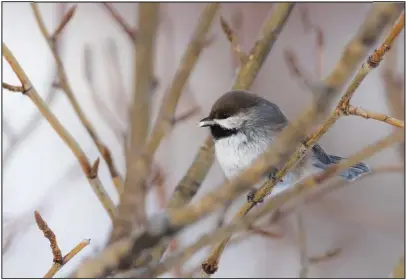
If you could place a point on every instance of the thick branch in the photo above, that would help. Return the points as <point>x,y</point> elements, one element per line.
<point>144,54</point>
<point>138,171</point>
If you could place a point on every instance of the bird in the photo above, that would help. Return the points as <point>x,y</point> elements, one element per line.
<point>243,125</point>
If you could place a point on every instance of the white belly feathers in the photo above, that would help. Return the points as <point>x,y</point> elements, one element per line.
<point>235,153</point>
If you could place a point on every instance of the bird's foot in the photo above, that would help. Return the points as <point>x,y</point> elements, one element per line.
<point>272,174</point>
<point>251,197</point>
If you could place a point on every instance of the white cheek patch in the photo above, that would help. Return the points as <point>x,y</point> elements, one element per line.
<point>231,122</point>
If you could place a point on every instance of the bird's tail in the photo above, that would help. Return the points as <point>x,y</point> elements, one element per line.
<point>352,173</point>
<point>322,160</point>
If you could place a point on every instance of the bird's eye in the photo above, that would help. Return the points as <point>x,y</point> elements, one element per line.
<point>223,116</point>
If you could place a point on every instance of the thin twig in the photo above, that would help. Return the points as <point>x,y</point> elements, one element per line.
<point>57,266</point>
<point>120,98</point>
<point>12,88</point>
<point>84,162</point>
<point>50,235</point>
<point>64,84</point>
<point>264,233</point>
<point>232,38</point>
<point>357,111</point>
<point>66,18</point>
<point>131,32</point>
<point>102,108</point>
<point>187,115</point>
<point>326,256</point>
<point>308,26</point>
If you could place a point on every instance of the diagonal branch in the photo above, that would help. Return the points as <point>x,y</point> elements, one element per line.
<point>232,38</point>
<point>57,266</point>
<point>131,32</point>
<point>32,124</point>
<point>65,19</point>
<point>58,261</point>
<point>64,84</point>
<point>104,111</point>
<point>84,162</point>
<point>275,202</point>
<point>379,17</point>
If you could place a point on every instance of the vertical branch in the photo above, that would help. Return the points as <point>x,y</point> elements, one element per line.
<point>144,67</point>
<point>133,197</point>
<point>50,235</point>
<point>302,239</point>
<point>139,121</point>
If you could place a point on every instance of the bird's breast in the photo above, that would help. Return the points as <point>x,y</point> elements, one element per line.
<point>237,152</point>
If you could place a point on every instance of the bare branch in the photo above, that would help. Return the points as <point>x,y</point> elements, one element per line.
<point>66,18</point>
<point>131,32</point>
<point>131,210</point>
<point>309,26</point>
<point>275,202</point>
<point>326,256</point>
<point>64,84</point>
<point>57,266</point>
<point>232,38</point>
<point>50,235</point>
<point>379,17</point>
<point>12,88</point>
<point>138,170</point>
<point>58,127</point>
<point>102,108</point>
<point>357,111</point>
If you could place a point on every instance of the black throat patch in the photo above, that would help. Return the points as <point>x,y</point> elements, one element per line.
<point>219,132</point>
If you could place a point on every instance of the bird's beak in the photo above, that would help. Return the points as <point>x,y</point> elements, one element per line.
<point>206,122</point>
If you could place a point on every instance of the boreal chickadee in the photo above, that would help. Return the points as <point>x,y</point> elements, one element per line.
<point>243,125</point>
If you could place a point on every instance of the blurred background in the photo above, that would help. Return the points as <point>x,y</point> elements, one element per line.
<point>365,221</point>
